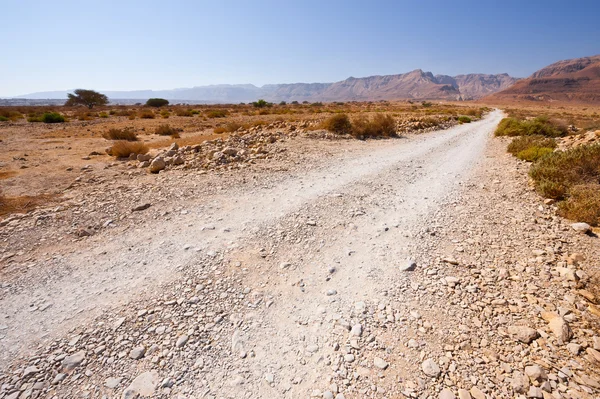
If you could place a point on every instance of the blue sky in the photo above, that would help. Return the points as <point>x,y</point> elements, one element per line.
<point>127,45</point>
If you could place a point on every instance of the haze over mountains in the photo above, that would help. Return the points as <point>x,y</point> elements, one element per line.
<point>418,85</point>
<point>576,80</point>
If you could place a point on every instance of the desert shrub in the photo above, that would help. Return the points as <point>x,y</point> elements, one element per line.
<point>52,117</point>
<point>261,104</point>
<point>534,153</point>
<point>166,130</point>
<point>103,115</point>
<point>123,148</point>
<point>10,115</point>
<point>426,104</point>
<point>583,204</point>
<point>112,112</point>
<point>126,134</point>
<point>147,114</point>
<point>379,125</point>
<point>464,119</point>
<point>556,173</point>
<point>338,123</point>
<point>523,143</point>
<point>217,113</point>
<point>294,103</point>
<point>157,102</point>
<point>282,103</point>
<point>165,114</point>
<point>317,104</point>
<point>184,112</point>
<point>538,126</point>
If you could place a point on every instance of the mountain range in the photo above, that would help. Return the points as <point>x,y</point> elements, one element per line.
<point>417,85</point>
<point>576,80</point>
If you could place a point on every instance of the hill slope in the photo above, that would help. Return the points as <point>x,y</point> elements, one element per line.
<point>575,80</point>
<point>417,85</point>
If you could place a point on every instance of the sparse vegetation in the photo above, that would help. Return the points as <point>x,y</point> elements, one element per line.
<point>556,173</point>
<point>147,114</point>
<point>379,125</point>
<point>123,148</point>
<point>261,104</point>
<point>217,113</point>
<point>338,123</point>
<point>531,148</point>
<point>464,119</point>
<point>541,126</point>
<point>157,102</point>
<point>166,130</point>
<point>583,204</point>
<point>89,98</point>
<point>126,134</point>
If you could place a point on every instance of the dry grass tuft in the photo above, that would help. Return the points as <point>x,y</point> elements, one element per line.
<point>583,204</point>
<point>23,204</point>
<point>126,134</point>
<point>166,130</point>
<point>123,149</point>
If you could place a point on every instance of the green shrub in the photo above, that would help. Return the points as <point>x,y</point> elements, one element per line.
<point>338,123</point>
<point>523,143</point>
<point>52,117</point>
<point>3,119</point>
<point>260,104</point>
<point>583,204</point>
<point>126,134</point>
<point>555,173</point>
<point>103,115</point>
<point>534,153</point>
<point>157,102</point>
<point>464,119</point>
<point>539,126</point>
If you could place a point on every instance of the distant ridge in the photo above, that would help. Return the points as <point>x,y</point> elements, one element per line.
<point>576,80</point>
<point>417,85</point>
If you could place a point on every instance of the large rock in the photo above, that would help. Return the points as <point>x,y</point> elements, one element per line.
<point>447,394</point>
<point>581,227</point>
<point>559,327</point>
<point>523,333</point>
<point>73,361</point>
<point>144,385</point>
<point>430,368</point>
<point>157,164</point>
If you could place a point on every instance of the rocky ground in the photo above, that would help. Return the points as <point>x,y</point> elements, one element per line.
<point>422,267</point>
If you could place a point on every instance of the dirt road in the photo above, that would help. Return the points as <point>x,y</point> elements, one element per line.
<point>292,289</point>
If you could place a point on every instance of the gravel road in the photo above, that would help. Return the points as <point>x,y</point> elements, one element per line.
<point>298,287</point>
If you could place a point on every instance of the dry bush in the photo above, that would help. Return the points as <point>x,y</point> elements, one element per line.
<point>126,134</point>
<point>123,149</point>
<point>379,125</point>
<point>556,173</point>
<point>583,204</point>
<point>147,114</point>
<point>166,130</point>
<point>464,119</point>
<point>217,113</point>
<point>219,130</point>
<point>184,112</point>
<point>338,123</point>
<point>10,115</point>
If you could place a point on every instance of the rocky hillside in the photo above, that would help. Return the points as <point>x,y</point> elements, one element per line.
<point>418,85</point>
<point>575,80</point>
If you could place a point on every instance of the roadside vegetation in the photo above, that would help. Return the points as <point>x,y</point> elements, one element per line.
<point>126,134</point>
<point>124,148</point>
<point>570,175</point>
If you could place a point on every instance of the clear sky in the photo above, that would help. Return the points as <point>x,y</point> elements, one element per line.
<point>129,44</point>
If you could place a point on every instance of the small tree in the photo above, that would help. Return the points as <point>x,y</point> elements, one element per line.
<point>89,98</point>
<point>157,102</point>
<point>260,103</point>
